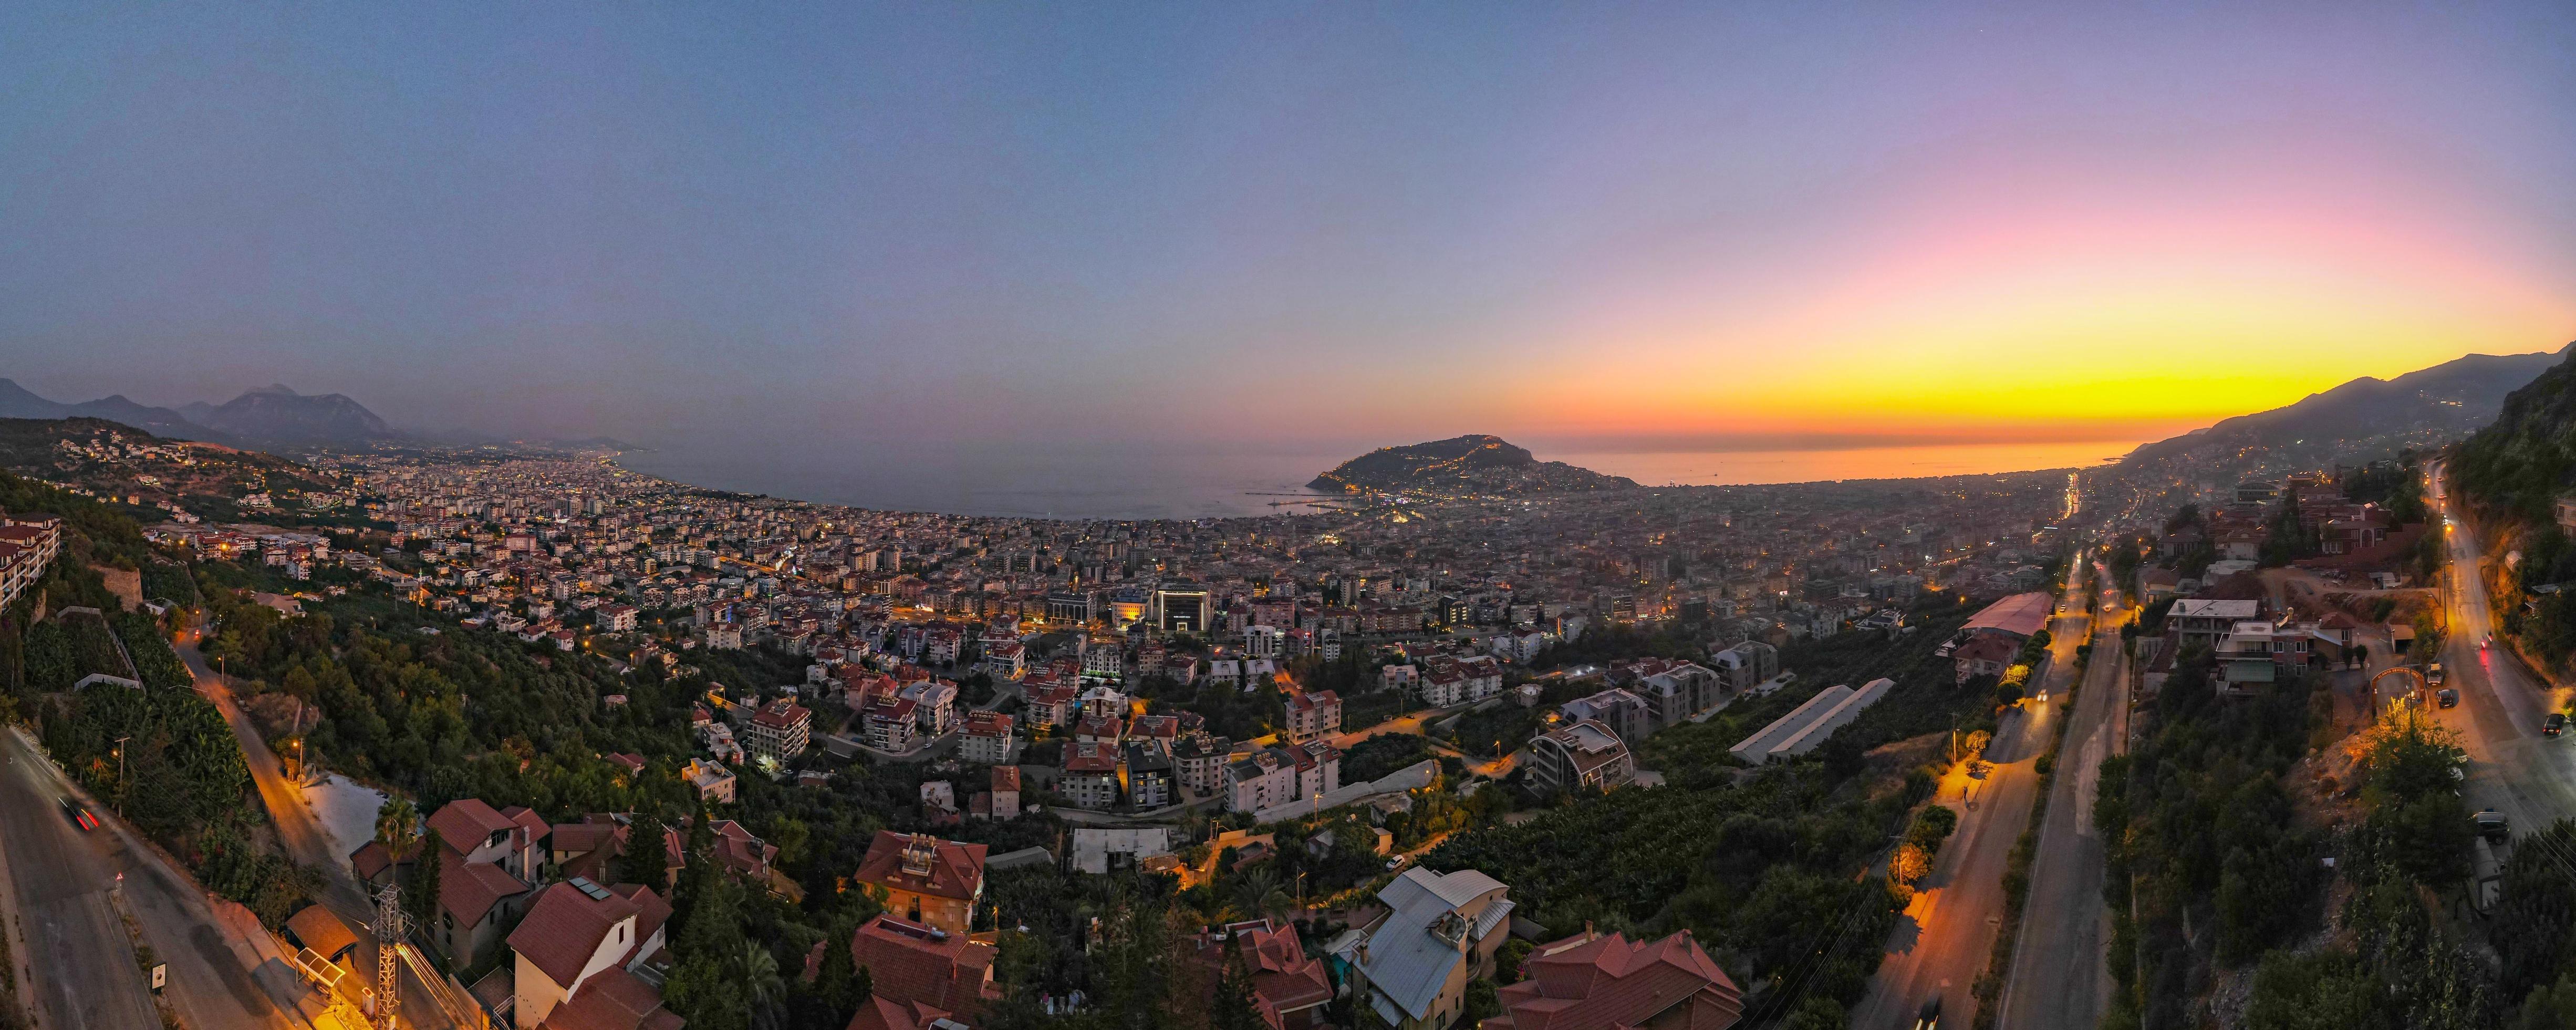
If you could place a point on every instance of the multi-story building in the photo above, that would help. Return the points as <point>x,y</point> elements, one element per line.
<point>1089,778</point>
<point>987,738</point>
<point>1313,713</point>
<point>1439,933</point>
<point>891,724</point>
<point>1579,757</point>
<point>779,731</point>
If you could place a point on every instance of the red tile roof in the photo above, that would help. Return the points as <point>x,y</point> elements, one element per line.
<point>1283,979</point>
<point>613,1000</point>
<point>466,823</point>
<point>468,890</point>
<point>564,929</point>
<point>956,870</point>
<point>1589,982</point>
<point>909,963</point>
<point>879,1014</point>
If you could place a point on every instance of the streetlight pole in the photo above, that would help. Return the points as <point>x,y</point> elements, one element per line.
<point>120,775</point>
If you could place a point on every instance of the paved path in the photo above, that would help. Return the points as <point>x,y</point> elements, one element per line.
<point>2060,976</point>
<point>2513,768</point>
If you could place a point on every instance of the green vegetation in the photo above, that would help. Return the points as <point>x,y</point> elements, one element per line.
<point>1382,754</point>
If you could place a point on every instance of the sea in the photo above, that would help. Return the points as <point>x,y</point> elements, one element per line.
<point>1118,483</point>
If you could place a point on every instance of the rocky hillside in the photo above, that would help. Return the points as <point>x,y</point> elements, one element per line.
<point>2526,460</point>
<point>1474,464</point>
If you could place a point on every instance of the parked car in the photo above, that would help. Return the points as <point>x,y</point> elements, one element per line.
<point>2556,722</point>
<point>79,816</point>
<point>2448,697</point>
<point>2433,675</point>
<point>2492,825</point>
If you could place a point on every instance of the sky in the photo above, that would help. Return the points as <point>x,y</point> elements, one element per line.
<point>818,234</point>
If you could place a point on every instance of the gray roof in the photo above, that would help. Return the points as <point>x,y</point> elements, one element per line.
<point>1405,961</point>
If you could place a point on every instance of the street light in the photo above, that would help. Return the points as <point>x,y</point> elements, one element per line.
<point>120,774</point>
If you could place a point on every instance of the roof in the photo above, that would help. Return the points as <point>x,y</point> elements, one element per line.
<point>1589,982</point>
<point>321,931</point>
<point>1405,961</point>
<point>956,870</point>
<point>2206,608</point>
<point>909,963</point>
<point>468,890</point>
<point>879,1014</point>
<point>466,823</point>
<point>2021,614</point>
<point>1283,978</point>
<point>564,929</point>
<point>613,1000</point>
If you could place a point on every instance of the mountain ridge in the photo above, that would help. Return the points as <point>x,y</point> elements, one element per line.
<point>272,414</point>
<point>2459,396</point>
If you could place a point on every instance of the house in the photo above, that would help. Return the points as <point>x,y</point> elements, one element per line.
<point>575,957</point>
<point>2204,621</point>
<point>1986,655</point>
<point>713,782</point>
<point>486,875</point>
<point>1313,713</point>
<point>1050,705</point>
<point>1099,729</point>
<point>987,738</point>
<point>1580,757</point>
<point>1590,980</point>
<point>1095,851</point>
<point>585,848</point>
<point>740,853</point>
<point>920,975</point>
<point>1000,802</point>
<point>1289,990</point>
<point>1412,965</point>
<point>931,882</point>
<point>780,730</point>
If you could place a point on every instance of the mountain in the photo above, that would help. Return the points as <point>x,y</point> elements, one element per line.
<point>2526,459</point>
<point>275,414</point>
<point>1473,464</point>
<point>2426,406</point>
<point>17,402</point>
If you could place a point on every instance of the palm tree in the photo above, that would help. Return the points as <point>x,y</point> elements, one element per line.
<point>1252,893</point>
<point>397,824</point>
<point>760,979</point>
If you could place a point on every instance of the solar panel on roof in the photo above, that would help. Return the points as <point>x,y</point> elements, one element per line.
<point>584,885</point>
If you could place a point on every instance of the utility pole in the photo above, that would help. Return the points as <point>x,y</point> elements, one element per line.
<point>389,920</point>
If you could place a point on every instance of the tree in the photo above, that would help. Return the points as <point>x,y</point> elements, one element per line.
<point>647,860</point>
<point>420,896</point>
<point>1234,1007</point>
<point>1817,1014</point>
<point>397,825</point>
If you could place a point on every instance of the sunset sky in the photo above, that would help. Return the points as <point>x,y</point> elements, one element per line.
<point>1699,226</point>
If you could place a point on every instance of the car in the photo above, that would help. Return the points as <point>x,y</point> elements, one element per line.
<point>1397,862</point>
<point>2492,825</point>
<point>79,816</point>
<point>2433,674</point>
<point>1929,1016</point>
<point>2448,697</point>
<point>2487,643</point>
<point>2556,723</point>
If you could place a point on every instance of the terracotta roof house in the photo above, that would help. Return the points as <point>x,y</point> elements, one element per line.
<point>921,971</point>
<point>1288,988</point>
<point>1594,982</point>
<point>486,874</point>
<point>575,954</point>
<point>927,880</point>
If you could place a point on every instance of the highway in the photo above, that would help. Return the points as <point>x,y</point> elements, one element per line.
<point>1942,941</point>
<point>2060,977</point>
<point>2512,768</point>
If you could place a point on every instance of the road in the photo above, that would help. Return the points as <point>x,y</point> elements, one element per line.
<point>301,831</point>
<point>2060,976</point>
<point>1942,941</point>
<point>2512,767</point>
<point>67,929</point>
<point>85,969</point>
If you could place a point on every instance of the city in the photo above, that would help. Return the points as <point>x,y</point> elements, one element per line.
<point>1418,517</point>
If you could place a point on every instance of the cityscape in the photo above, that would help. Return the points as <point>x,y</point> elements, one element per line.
<point>1161,519</point>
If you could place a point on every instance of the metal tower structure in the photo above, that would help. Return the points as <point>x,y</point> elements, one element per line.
<point>389,925</point>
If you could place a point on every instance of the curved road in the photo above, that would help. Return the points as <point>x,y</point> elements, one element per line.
<point>2513,769</point>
